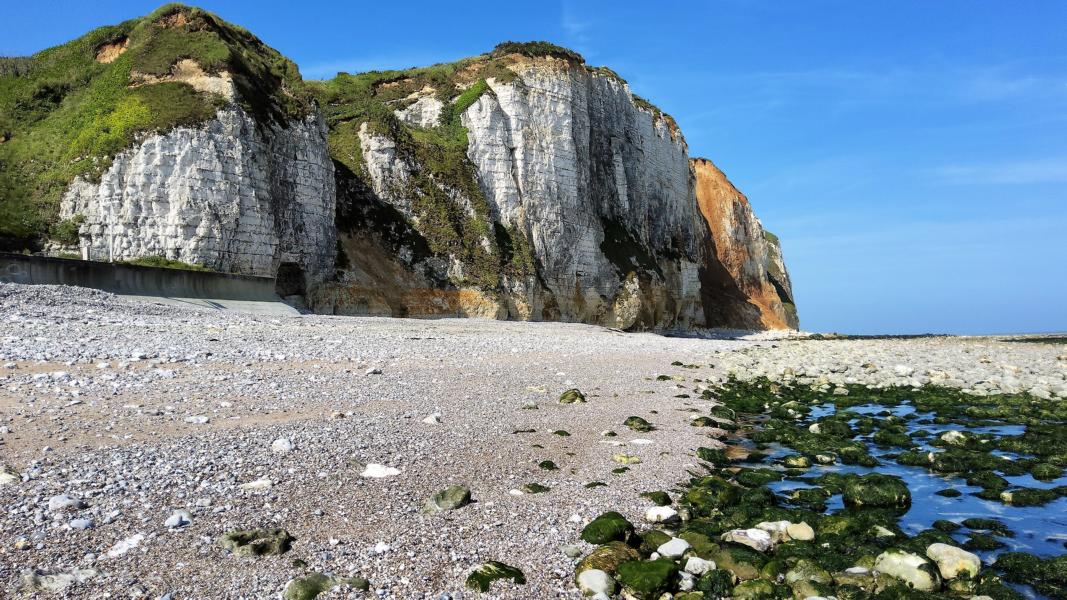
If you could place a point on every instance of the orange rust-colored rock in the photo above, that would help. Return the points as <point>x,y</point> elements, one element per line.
<point>751,255</point>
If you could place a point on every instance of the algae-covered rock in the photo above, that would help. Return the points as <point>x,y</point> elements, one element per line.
<point>307,588</point>
<point>450,498</point>
<point>659,498</point>
<point>711,455</point>
<point>571,396</point>
<point>638,424</point>
<point>952,561</point>
<point>608,557</point>
<point>547,465</point>
<point>876,490</point>
<point>257,542</point>
<point>808,570</point>
<point>861,578</point>
<point>796,461</point>
<point>717,583</point>
<point>482,577</point>
<point>626,459</point>
<point>652,539</point>
<point>608,527</point>
<point>743,563</point>
<point>910,568</point>
<point>754,589</point>
<point>709,494</point>
<point>647,579</point>
<point>534,488</point>
<point>1048,576</point>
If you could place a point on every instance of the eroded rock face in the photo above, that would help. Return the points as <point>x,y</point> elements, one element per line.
<point>597,189</point>
<point>601,188</point>
<point>232,194</point>
<point>752,256</point>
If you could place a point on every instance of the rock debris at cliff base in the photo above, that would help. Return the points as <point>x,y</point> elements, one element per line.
<point>337,431</point>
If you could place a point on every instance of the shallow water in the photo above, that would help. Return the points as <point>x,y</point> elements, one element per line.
<point>1040,530</point>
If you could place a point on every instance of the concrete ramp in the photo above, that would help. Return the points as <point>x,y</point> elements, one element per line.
<point>205,289</point>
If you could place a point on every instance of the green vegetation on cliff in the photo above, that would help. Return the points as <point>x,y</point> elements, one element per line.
<point>66,111</point>
<point>440,154</point>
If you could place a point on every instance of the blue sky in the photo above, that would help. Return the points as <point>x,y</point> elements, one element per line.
<point>911,155</point>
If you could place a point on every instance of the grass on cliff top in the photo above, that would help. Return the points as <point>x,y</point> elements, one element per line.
<point>65,114</point>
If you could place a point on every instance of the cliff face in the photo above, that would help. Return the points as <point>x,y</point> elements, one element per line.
<point>752,256</point>
<point>231,194</point>
<point>579,198</point>
<point>518,184</point>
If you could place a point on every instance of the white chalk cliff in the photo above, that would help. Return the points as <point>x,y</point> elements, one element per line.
<point>231,194</point>
<point>597,186</point>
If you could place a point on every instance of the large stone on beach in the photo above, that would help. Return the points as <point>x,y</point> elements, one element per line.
<point>257,542</point>
<point>608,527</point>
<point>571,396</point>
<point>910,568</point>
<point>952,561</point>
<point>485,574</point>
<point>647,579</point>
<point>594,581</point>
<point>757,539</point>
<point>308,588</point>
<point>450,498</point>
<point>674,548</point>
<point>876,490</point>
<point>607,558</point>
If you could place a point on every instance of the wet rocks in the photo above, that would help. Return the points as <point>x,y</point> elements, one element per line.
<point>910,568</point>
<point>876,490</point>
<point>952,561</point>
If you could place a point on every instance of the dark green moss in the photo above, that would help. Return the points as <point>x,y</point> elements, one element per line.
<point>608,527</point>
<point>647,580</point>
<point>638,424</point>
<point>482,578</point>
<point>659,498</point>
